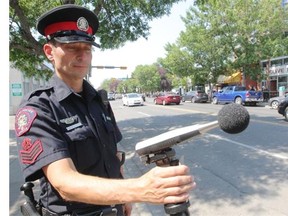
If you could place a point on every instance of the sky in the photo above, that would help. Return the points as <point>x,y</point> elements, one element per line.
<point>141,52</point>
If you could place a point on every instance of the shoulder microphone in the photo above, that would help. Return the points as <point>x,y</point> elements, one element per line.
<point>232,118</point>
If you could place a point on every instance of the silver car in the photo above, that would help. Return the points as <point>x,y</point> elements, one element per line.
<point>195,97</point>
<point>275,101</point>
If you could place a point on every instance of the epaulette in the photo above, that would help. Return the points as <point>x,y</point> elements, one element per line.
<point>38,91</point>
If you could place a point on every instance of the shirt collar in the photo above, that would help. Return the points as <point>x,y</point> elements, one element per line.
<point>62,90</point>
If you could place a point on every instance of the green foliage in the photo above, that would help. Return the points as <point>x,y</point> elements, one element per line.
<point>147,77</point>
<point>110,85</point>
<point>228,35</point>
<point>120,21</point>
<point>221,37</point>
<point>129,85</point>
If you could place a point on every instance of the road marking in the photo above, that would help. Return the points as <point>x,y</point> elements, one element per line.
<point>144,114</point>
<point>260,151</point>
<point>13,143</point>
<point>187,110</point>
<point>280,123</point>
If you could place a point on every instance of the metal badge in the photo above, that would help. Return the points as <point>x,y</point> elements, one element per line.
<point>69,120</point>
<point>82,24</point>
<point>72,121</point>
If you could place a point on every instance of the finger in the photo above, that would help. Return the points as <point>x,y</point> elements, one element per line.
<point>175,181</point>
<point>174,194</point>
<point>171,171</point>
<point>175,191</point>
<point>176,199</point>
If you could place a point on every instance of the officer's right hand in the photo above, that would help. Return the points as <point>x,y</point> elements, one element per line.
<point>162,185</point>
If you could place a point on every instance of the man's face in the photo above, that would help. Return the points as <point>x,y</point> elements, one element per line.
<point>71,61</point>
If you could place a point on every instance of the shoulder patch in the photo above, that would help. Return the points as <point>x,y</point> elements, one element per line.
<point>24,119</point>
<point>30,151</point>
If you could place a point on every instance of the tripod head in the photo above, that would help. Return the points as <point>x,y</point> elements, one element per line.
<point>166,157</point>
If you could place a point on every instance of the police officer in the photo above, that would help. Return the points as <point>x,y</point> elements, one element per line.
<point>67,138</point>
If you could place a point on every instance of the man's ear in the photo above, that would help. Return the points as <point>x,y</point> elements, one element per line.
<point>47,48</point>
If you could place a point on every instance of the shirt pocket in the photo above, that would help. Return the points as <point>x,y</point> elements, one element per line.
<point>84,148</point>
<point>79,133</point>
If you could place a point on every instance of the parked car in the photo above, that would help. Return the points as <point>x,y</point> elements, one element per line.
<point>195,97</point>
<point>167,98</point>
<point>111,96</point>
<point>238,95</point>
<point>132,99</point>
<point>283,108</point>
<point>273,102</point>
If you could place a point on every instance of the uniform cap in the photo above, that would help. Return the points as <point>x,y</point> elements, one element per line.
<point>69,23</point>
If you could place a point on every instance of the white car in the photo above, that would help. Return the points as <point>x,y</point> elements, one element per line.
<point>111,96</point>
<point>132,99</point>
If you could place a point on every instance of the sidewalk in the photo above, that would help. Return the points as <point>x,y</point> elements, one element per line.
<point>133,168</point>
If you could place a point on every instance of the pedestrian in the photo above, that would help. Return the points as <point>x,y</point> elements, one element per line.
<point>252,88</point>
<point>67,138</point>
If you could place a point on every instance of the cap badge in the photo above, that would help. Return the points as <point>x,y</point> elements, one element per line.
<point>82,24</point>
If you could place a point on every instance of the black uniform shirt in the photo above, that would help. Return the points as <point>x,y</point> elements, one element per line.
<point>55,123</point>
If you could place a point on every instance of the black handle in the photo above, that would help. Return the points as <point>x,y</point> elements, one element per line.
<point>27,189</point>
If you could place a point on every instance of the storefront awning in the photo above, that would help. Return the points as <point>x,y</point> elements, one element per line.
<point>221,79</point>
<point>234,78</point>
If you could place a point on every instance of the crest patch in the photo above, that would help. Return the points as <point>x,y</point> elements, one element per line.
<point>30,151</point>
<point>24,119</point>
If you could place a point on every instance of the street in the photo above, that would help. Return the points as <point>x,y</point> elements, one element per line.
<point>241,174</point>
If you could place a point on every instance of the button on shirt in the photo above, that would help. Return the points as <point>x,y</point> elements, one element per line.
<point>55,123</point>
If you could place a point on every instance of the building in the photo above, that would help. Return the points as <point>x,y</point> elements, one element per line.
<point>276,72</point>
<point>19,86</point>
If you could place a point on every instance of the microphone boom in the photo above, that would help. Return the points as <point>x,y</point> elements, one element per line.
<point>170,138</point>
<point>232,118</point>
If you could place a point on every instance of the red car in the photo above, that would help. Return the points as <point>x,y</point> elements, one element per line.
<point>167,98</point>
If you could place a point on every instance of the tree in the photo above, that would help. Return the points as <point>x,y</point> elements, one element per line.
<point>148,77</point>
<point>228,35</point>
<point>120,21</point>
<point>130,85</point>
<point>110,85</point>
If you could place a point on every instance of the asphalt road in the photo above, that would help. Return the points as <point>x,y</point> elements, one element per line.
<point>244,174</point>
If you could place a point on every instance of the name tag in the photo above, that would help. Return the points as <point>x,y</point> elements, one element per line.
<point>71,127</point>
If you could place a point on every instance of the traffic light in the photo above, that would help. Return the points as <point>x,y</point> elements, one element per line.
<point>109,67</point>
<point>98,67</point>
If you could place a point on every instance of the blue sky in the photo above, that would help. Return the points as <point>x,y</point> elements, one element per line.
<point>142,52</point>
